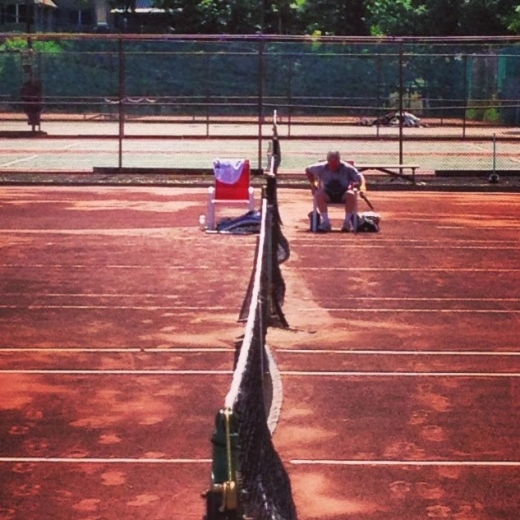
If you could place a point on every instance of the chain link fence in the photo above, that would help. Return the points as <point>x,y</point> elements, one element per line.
<point>434,102</point>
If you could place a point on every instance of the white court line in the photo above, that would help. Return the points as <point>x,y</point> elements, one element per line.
<point>121,231</point>
<point>310,241</point>
<point>67,350</point>
<point>400,374</point>
<point>480,148</point>
<point>377,246</point>
<point>116,233</point>
<point>31,157</point>
<point>416,311</point>
<point>392,299</point>
<point>117,266</point>
<point>402,352</point>
<point>297,373</point>
<point>301,462</point>
<point>16,161</point>
<point>339,298</point>
<point>457,463</point>
<point>115,307</point>
<point>181,309</point>
<point>119,372</point>
<point>197,350</point>
<point>238,268</point>
<point>66,147</point>
<point>92,295</point>
<point>424,242</point>
<point>72,460</point>
<point>491,270</point>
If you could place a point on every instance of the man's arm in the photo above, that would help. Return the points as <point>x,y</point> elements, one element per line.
<point>311,178</point>
<point>355,178</point>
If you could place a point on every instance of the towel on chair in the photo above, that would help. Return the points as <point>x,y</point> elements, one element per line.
<point>228,171</point>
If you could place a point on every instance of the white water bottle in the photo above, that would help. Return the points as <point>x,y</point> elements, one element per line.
<point>202,222</point>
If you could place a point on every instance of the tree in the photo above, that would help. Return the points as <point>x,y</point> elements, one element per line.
<point>513,20</point>
<point>441,17</point>
<point>334,17</point>
<point>339,17</point>
<point>395,17</point>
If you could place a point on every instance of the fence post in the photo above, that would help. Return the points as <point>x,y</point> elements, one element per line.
<point>260,99</point>
<point>465,78</point>
<point>289,97</point>
<point>401,89</point>
<point>121,100</point>
<point>208,90</point>
<point>379,112</point>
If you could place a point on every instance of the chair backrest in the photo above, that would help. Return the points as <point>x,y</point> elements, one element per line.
<point>239,190</point>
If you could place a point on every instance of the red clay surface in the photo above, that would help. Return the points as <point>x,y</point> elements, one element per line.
<point>401,370</point>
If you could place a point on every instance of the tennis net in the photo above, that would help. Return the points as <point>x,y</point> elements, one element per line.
<point>248,476</point>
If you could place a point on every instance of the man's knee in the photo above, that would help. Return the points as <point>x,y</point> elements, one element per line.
<point>320,191</point>
<point>321,195</point>
<point>351,195</point>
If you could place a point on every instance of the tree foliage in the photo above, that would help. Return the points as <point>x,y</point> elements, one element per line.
<point>342,17</point>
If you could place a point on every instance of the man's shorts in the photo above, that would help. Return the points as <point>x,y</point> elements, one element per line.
<point>335,191</point>
<point>336,196</point>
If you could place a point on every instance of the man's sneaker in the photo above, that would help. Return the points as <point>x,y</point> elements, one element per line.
<point>324,227</point>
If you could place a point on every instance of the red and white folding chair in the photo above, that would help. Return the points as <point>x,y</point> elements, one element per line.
<point>232,186</point>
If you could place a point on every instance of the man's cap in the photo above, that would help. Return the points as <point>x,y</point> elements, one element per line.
<point>333,154</point>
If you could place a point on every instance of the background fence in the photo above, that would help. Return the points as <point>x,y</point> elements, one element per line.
<point>227,87</point>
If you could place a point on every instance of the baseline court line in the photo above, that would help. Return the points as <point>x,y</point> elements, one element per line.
<point>442,311</point>
<point>198,350</point>
<point>301,462</point>
<point>419,269</point>
<point>72,460</point>
<point>483,463</point>
<point>92,295</point>
<point>382,246</point>
<point>401,374</point>
<point>401,352</point>
<point>300,241</point>
<point>110,372</point>
<point>110,350</point>
<point>338,298</point>
<point>238,268</point>
<point>114,307</point>
<point>424,242</point>
<point>114,266</point>
<point>114,232</point>
<point>392,299</point>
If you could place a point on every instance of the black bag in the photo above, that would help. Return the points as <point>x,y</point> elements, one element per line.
<point>244,225</point>
<point>368,222</point>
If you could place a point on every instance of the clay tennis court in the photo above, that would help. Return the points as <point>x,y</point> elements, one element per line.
<point>82,146</point>
<point>401,368</point>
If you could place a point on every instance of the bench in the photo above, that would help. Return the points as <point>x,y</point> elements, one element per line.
<point>394,170</point>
